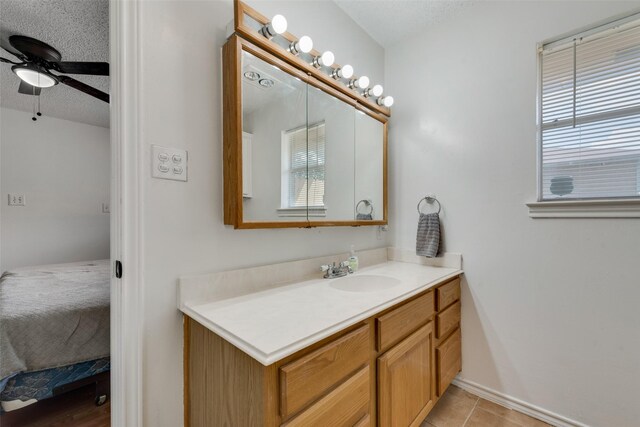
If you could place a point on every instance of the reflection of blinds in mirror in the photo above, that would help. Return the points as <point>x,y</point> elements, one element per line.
<point>307,167</point>
<point>590,113</point>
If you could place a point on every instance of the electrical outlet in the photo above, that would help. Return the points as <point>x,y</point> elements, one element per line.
<point>106,208</point>
<point>17,200</point>
<point>168,163</point>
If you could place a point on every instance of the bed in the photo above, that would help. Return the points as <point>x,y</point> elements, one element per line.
<point>54,330</point>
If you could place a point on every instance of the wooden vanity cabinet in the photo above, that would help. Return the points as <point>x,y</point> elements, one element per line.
<point>388,370</point>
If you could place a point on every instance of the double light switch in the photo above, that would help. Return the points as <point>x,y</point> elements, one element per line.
<point>168,163</point>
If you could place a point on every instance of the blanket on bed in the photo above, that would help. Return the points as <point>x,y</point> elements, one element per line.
<point>53,315</point>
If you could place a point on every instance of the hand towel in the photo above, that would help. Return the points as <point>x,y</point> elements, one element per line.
<point>364,217</point>
<point>428,236</point>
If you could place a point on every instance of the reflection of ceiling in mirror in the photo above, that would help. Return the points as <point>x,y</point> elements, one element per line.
<point>263,83</point>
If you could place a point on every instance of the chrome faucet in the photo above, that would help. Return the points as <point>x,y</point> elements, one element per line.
<point>332,271</point>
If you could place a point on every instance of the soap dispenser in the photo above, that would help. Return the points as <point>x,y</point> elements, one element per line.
<point>353,260</point>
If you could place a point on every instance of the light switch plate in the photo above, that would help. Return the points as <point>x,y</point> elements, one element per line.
<point>169,163</point>
<point>106,208</point>
<point>17,199</point>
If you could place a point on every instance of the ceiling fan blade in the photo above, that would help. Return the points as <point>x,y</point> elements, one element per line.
<point>27,89</point>
<point>93,68</point>
<point>18,55</point>
<point>84,88</point>
<point>8,61</point>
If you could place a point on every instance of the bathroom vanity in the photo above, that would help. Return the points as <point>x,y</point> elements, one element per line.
<point>378,347</point>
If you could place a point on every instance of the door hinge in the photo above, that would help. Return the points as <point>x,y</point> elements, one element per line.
<point>118,268</point>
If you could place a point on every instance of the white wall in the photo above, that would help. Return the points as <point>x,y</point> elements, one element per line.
<point>184,231</point>
<point>63,170</point>
<point>550,307</point>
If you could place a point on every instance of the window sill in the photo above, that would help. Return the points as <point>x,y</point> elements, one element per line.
<point>610,208</point>
<point>303,212</point>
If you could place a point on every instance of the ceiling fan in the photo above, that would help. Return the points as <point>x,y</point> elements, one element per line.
<point>39,60</point>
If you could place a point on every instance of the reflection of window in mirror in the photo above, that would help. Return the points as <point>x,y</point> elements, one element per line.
<point>303,170</point>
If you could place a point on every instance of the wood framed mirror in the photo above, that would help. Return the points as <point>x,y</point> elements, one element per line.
<point>298,152</point>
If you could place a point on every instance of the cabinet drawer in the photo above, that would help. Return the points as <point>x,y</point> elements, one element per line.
<point>448,320</point>
<point>344,406</point>
<point>308,378</point>
<point>449,360</point>
<point>449,293</point>
<point>399,323</point>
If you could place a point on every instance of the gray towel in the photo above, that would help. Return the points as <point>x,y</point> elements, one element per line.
<point>428,237</point>
<point>364,217</point>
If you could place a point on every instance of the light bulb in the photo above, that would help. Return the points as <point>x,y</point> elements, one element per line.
<point>347,71</point>
<point>306,44</point>
<point>279,24</point>
<point>387,101</point>
<point>325,59</point>
<point>363,82</point>
<point>328,58</point>
<point>374,91</point>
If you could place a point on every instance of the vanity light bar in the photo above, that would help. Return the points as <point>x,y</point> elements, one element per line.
<point>278,26</point>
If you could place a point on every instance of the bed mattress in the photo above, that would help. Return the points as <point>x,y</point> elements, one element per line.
<point>24,389</point>
<point>53,316</point>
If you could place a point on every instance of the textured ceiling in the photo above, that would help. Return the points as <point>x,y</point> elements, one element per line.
<point>390,21</point>
<point>79,29</point>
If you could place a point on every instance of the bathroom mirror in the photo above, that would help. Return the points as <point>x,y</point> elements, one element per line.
<point>297,153</point>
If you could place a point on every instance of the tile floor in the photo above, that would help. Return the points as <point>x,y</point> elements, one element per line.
<point>458,408</point>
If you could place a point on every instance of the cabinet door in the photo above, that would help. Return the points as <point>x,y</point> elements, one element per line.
<point>406,386</point>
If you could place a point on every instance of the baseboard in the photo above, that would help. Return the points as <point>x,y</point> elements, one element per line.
<point>516,404</point>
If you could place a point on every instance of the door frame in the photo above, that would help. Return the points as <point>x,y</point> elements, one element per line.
<point>127,243</point>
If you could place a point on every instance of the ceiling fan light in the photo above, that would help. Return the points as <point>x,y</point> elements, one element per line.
<point>34,77</point>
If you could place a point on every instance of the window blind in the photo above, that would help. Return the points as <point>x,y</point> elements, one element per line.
<point>307,166</point>
<point>590,115</point>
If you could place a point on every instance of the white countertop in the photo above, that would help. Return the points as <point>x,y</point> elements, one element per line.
<point>274,323</point>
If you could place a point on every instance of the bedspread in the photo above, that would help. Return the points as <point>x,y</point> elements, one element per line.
<point>53,315</point>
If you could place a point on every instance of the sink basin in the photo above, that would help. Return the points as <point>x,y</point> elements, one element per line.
<point>364,283</point>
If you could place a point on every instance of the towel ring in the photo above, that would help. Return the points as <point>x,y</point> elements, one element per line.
<point>429,199</point>
<point>366,203</point>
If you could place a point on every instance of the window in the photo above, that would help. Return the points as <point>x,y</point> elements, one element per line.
<point>303,168</point>
<point>589,105</point>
